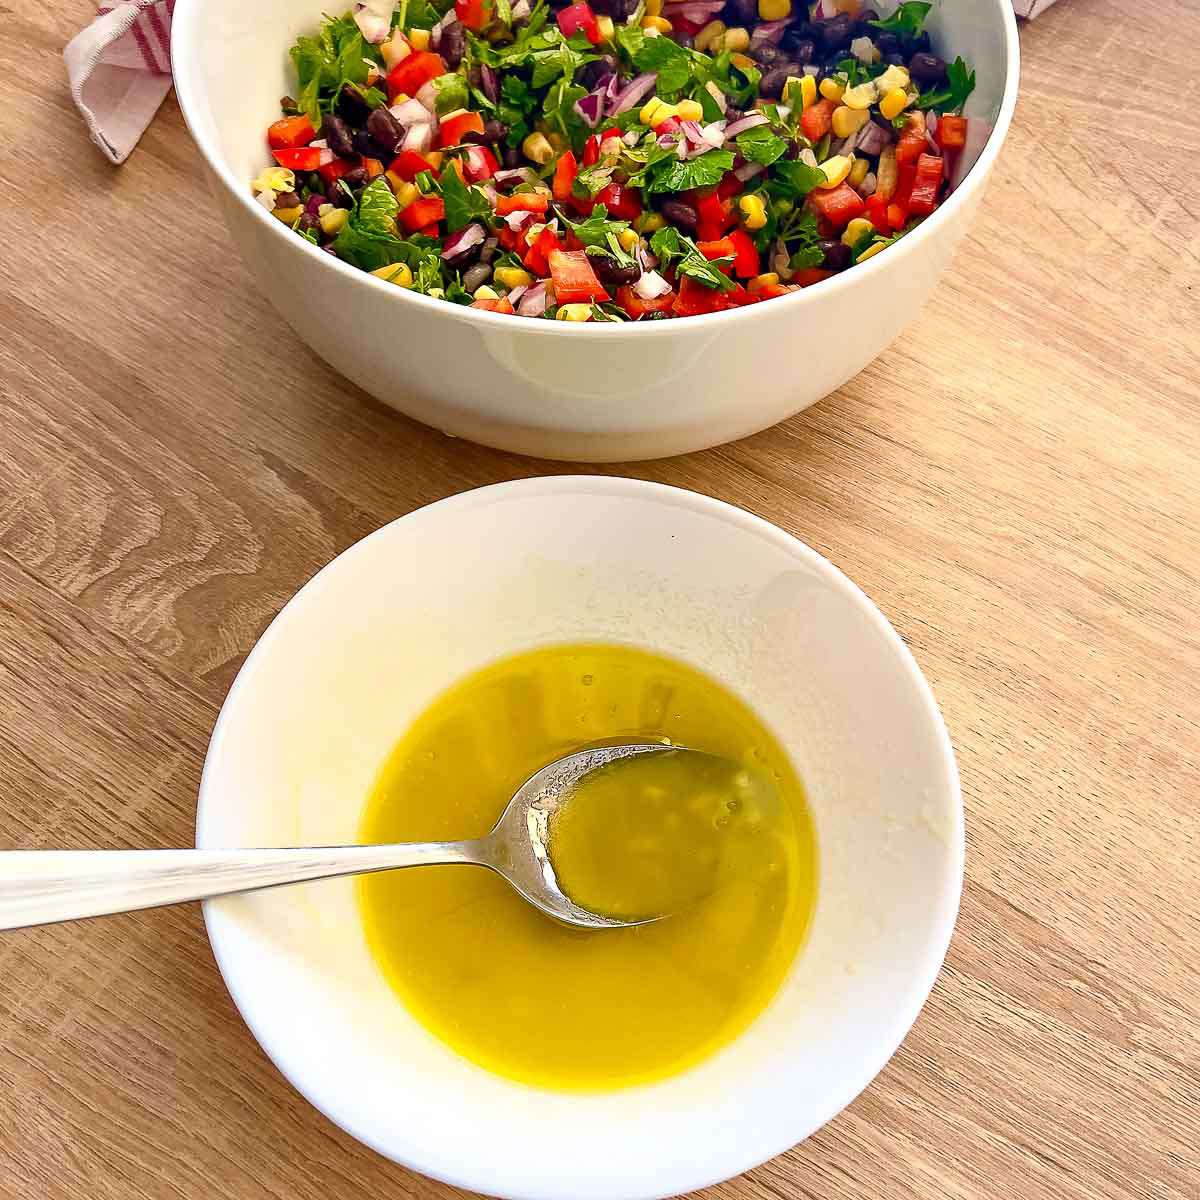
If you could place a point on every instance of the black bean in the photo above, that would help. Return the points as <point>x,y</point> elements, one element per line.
<point>921,42</point>
<point>927,68</point>
<point>894,60</point>
<point>287,200</point>
<point>475,77</point>
<point>338,197</point>
<point>512,157</point>
<point>771,84</point>
<point>366,145</point>
<point>681,213</point>
<point>863,26</point>
<point>314,202</point>
<point>489,249</point>
<point>453,45</point>
<point>355,177</point>
<point>742,13</point>
<point>836,32</point>
<point>810,30</point>
<point>493,132</point>
<point>337,135</point>
<point>351,105</point>
<point>887,43</point>
<point>307,222</point>
<point>611,272</point>
<point>463,259</point>
<point>477,276</point>
<point>766,55</point>
<point>837,254</point>
<point>793,150</point>
<point>800,51</point>
<point>595,71</point>
<point>385,129</point>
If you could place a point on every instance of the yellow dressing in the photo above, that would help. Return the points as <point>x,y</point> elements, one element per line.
<point>571,1009</point>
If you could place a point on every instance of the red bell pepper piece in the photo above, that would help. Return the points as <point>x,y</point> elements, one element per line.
<point>503,305</point>
<point>452,129</point>
<point>928,183</point>
<point>739,297</point>
<point>951,132</point>
<point>877,213</point>
<point>290,133</point>
<point>424,210</point>
<point>669,125</point>
<point>745,255</point>
<point>817,120</point>
<point>475,14</point>
<point>372,166</point>
<point>911,143</point>
<point>479,164</point>
<point>411,74</point>
<point>729,186</point>
<point>635,306</point>
<point>531,202</point>
<point>303,158</point>
<point>694,298</point>
<point>896,216</point>
<point>430,231</point>
<point>565,171</point>
<point>721,248</point>
<point>621,201</point>
<point>408,164</point>
<point>839,205</point>
<point>772,291</point>
<point>807,276</point>
<point>578,18</point>
<point>331,172</point>
<point>537,257</point>
<point>716,216</point>
<point>574,279</point>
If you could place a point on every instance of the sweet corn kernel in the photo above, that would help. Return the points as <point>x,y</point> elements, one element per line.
<point>628,240</point>
<point>736,40</point>
<point>862,96</point>
<point>557,141</point>
<point>485,293</point>
<point>289,216</point>
<point>689,110</point>
<point>333,219</point>
<point>774,10</point>
<point>274,179</point>
<point>512,277</point>
<point>831,88</point>
<point>886,174</point>
<point>605,25</point>
<point>435,159</point>
<point>808,91</point>
<point>419,39</point>
<point>397,273</point>
<point>894,103</point>
<point>394,50</point>
<point>858,172</point>
<point>646,115</point>
<point>836,169</point>
<point>893,77</point>
<point>649,222</point>
<point>574,312</point>
<point>770,279</point>
<point>654,8</point>
<point>857,230</point>
<point>871,251</point>
<point>659,24</point>
<point>742,61</point>
<point>406,193</point>
<point>849,120</point>
<point>754,214</point>
<point>709,34</point>
<point>537,148</point>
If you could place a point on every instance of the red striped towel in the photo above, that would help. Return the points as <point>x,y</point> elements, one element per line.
<point>120,69</point>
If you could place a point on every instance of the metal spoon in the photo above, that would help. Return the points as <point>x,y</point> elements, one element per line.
<point>39,887</point>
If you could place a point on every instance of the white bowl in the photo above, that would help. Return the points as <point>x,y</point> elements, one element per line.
<point>370,641</point>
<point>591,392</point>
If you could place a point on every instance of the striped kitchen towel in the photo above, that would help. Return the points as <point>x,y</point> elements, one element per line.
<point>119,68</point>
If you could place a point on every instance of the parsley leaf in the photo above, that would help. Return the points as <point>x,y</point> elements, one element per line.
<point>631,39</point>
<point>368,239</point>
<point>558,108</point>
<point>907,21</point>
<point>793,178</point>
<point>760,145</point>
<point>668,244</point>
<point>678,175</point>
<point>450,92</point>
<point>960,83</point>
<point>597,229</point>
<point>323,63</point>
<point>592,180</point>
<point>668,60</point>
<point>463,204</point>
<point>800,235</point>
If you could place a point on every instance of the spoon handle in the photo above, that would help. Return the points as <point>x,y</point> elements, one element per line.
<point>39,887</point>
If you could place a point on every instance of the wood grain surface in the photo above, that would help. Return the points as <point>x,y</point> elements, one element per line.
<point>1015,482</point>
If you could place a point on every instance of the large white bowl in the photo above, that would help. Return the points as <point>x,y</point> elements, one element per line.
<point>593,392</point>
<point>369,642</point>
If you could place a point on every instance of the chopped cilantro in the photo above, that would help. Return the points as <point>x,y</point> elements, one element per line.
<point>668,60</point>
<point>592,180</point>
<point>597,229</point>
<point>450,92</point>
<point>679,175</point>
<point>760,145</point>
<point>368,238</point>
<point>792,178</point>
<point>337,55</point>
<point>669,245</point>
<point>907,21</point>
<point>960,83</point>
<point>463,204</point>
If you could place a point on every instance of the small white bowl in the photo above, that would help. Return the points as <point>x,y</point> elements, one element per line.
<point>374,637</point>
<point>591,392</point>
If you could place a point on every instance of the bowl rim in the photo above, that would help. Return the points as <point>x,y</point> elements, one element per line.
<point>936,939</point>
<point>184,37</point>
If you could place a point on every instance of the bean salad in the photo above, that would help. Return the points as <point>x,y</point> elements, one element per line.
<point>614,160</point>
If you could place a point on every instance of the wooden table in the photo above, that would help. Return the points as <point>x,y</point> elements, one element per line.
<point>1015,482</point>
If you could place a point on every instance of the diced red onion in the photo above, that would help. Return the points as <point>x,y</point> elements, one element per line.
<point>780,260</point>
<point>713,133</point>
<point>411,112</point>
<point>428,95</point>
<point>930,130</point>
<point>645,259</point>
<point>320,143</point>
<point>699,11</point>
<point>873,138</point>
<point>869,184</point>
<point>681,147</point>
<point>824,10</point>
<point>612,87</point>
<point>534,301</point>
<point>374,19</point>
<point>631,137</point>
<point>520,9</point>
<point>769,32</point>
<point>747,171</point>
<point>744,123</point>
<point>691,130</point>
<point>435,34</point>
<point>638,88</point>
<point>490,192</point>
<point>511,176</point>
<point>464,239</point>
<point>326,157</point>
<point>418,138</point>
<point>590,108</point>
<point>516,221</point>
<point>651,285</point>
<point>515,294</point>
<point>807,157</point>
